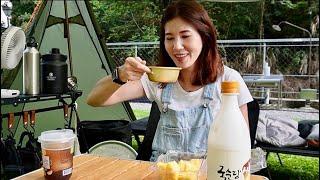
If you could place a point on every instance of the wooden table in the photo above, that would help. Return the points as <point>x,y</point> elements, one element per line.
<point>95,167</point>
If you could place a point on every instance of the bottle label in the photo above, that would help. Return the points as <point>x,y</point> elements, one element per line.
<point>66,171</point>
<point>226,165</point>
<point>46,162</point>
<point>227,173</point>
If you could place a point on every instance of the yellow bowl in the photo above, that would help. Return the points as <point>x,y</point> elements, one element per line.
<point>164,74</point>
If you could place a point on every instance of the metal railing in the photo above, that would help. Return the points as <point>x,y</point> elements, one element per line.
<point>288,57</point>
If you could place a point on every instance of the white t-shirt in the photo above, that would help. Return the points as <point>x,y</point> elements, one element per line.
<point>182,99</point>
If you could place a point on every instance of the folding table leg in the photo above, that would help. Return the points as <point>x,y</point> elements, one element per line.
<point>279,159</point>
<point>267,155</point>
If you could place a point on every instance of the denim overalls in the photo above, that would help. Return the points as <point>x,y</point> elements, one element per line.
<point>186,130</point>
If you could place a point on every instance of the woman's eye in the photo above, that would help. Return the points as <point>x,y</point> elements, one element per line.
<point>185,36</point>
<point>169,38</point>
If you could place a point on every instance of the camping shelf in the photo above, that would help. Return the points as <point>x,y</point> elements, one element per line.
<point>41,97</point>
<point>73,95</point>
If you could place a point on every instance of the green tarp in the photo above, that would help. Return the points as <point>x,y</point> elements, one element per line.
<point>89,56</point>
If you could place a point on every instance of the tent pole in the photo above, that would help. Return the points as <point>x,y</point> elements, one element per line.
<point>72,80</point>
<point>67,35</point>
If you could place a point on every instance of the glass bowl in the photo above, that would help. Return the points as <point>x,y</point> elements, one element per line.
<point>181,165</point>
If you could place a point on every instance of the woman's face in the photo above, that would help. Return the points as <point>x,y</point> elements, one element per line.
<point>183,43</point>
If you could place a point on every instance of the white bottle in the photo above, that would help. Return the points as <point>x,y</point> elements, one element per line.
<point>229,147</point>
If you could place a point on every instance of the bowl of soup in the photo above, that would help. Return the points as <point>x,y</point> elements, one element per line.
<point>164,74</point>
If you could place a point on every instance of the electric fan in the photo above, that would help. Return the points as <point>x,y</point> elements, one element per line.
<point>12,45</point>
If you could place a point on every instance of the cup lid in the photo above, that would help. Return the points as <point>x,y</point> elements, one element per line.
<point>56,136</point>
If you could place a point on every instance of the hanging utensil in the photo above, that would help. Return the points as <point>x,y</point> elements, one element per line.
<point>65,114</point>
<point>10,123</point>
<point>32,119</point>
<point>25,120</point>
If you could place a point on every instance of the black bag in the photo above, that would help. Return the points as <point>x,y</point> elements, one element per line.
<point>30,155</point>
<point>2,151</point>
<point>93,132</point>
<point>10,159</point>
<point>305,127</point>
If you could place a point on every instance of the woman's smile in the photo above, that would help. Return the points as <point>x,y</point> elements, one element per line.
<point>181,57</point>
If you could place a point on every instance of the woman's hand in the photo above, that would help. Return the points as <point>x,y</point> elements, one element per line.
<point>132,69</point>
<point>106,92</point>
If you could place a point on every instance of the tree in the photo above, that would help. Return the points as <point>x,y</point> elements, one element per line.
<point>295,11</point>
<point>21,12</point>
<point>136,20</point>
<point>128,20</point>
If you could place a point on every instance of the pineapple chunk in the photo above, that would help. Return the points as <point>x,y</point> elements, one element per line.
<point>162,166</point>
<point>182,165</point>
<point>193,165</point>
<point>184,170</point>
<point>172,176</point>
<point>196,163</point>
<point>162,169</point>
<point>172,170</point>
<point>173,166</point>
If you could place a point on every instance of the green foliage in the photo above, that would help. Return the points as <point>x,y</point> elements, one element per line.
<point>136,20</point>
<point>289,60</point>
<point>21,12</point>
<point>297,12</point>
<point>128,20</point>
<point>294,167</point>
<point>140,113</point>
<point>134,144</point>
<point>235,20</point>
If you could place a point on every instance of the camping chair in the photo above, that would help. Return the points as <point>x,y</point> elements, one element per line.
<point>253,116</point>
<point>139,127</point>
<point>113,148</point>
<point>145,148</point>
<point>308,95</point>
<point>146,127</point>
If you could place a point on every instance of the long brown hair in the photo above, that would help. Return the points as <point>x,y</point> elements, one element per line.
<point>209,65</point>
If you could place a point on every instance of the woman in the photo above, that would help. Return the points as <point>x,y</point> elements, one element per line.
<point>188,107</point>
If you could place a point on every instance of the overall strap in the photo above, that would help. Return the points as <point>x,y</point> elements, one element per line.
<point>208,92</point>
<point>166,96</point>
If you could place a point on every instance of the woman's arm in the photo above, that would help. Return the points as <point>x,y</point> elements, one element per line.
<point>106,92</point>
<point>244,111</point>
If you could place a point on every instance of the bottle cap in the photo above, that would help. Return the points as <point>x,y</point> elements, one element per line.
<point>31,42</point>
<point>230,87</point>
<point>55,51</point>
<point>54,56</point>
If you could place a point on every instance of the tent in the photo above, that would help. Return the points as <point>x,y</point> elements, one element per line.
<point>90,61</point>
